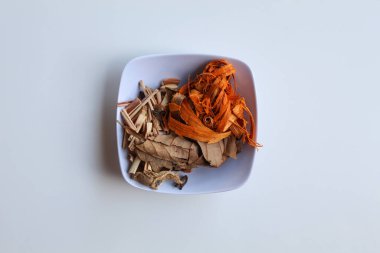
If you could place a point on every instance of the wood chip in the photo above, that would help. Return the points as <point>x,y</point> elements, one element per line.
<point>141,119</point>
<point>131,145</point>
<point>159,99</point>
<point>128,120</point>
<point>134,166</point>
<point>173,87</point>
<point>171,80</point>
<point>149,126</point>
<point>123,104</point>
<point>132,105</point>
<point>125,137</point>
<point>165,100</point>
<point>143,102</point>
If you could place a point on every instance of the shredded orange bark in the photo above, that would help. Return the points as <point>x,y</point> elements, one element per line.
<point>210,108</point>
<point>193,127</point>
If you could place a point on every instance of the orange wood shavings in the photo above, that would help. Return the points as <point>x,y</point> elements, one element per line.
<point>208,108</point>
<point>192,127</point>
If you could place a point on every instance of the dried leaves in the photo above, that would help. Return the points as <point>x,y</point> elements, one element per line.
<point>170,152</point>
<point>217,153</point>
<point>172,130</point>
<point>156,154</point>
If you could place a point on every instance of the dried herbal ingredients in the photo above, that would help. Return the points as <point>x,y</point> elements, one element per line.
<point>171,130</point>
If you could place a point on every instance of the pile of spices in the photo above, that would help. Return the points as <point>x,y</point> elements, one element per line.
<point>175,129</point>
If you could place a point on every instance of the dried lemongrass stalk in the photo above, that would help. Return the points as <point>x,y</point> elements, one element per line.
<point>149,115</point>
<point>147,92</point>
<point>128,120</point>
<point>131,145</point>
<point>134,166</point>
<point>133,104</point>
<point>143,102</point>
<point>159,98</point>
<point>149,126</point>
<point>124,145</point>
<point>131,132</point>
<point>141,119</point>
<point>123,104</point>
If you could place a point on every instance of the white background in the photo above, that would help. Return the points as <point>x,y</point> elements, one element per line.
<point>314,186</point>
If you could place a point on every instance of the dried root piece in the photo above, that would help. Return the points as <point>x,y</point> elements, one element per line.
<point>153,179</point>
<point>162,176</point>
<point>182,182</point>
<point>143,178</point>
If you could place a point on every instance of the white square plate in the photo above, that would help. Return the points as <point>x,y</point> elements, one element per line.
<point>153,69</point>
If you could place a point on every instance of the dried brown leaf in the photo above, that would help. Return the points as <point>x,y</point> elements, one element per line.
<point>230,148</point>
<point>170,151</point>
<point>213,152</point>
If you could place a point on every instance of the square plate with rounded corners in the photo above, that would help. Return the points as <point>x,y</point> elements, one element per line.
<point>152,69</point>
